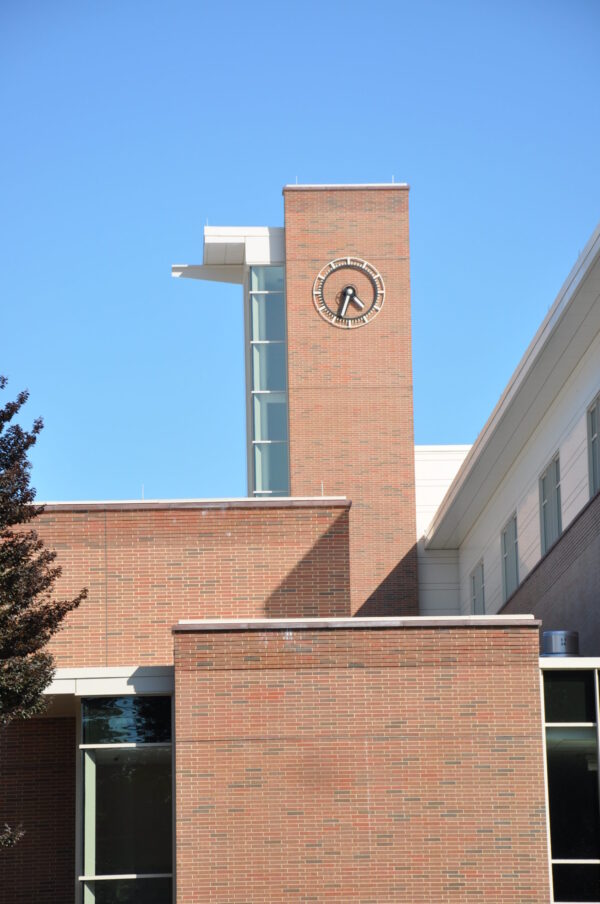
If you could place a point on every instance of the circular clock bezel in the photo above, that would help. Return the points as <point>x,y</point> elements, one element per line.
<point>361,266</point>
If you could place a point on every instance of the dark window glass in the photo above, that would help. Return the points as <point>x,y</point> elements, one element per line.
<point>118,720</point>
<point>573,793</point>
<point>132,891</point>
<point>133,810</point>
<point>569,696</point>
<point>576,882</point>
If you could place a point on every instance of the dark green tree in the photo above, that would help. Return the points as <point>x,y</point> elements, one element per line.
<point>29,614</point>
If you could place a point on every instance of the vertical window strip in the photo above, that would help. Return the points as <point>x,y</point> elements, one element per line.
<point>268,379</point>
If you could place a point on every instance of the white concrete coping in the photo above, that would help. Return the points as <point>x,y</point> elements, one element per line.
<point>243,502</point>
<point>359,186</point>
<point>112,681</point>
<point>358,623</point>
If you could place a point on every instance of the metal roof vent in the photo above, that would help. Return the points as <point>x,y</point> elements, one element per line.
<point>560,643</point>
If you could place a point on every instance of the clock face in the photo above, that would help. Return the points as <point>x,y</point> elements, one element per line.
<point>348,292</point>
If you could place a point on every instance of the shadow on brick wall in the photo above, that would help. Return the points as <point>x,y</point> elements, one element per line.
<point>319,585</point>
<point>397,594</point>
<point>37,790</point>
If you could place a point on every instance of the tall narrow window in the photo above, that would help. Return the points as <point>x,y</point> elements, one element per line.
<point>510,558</point>
<point>478,590</point>
<point>550,514</point>
<point>594,447</point>
<point>571,699</point>
<point>267,375</point>
<point>127,819</point>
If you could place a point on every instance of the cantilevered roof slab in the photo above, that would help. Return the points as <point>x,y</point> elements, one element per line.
<point>228,250</point>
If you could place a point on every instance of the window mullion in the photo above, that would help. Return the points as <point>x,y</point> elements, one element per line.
<point>89,813</point>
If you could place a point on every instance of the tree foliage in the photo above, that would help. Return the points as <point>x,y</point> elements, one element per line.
<point>29,615</point>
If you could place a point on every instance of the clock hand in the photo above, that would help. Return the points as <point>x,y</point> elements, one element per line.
<point>349,292</point>
<point>350,295</point>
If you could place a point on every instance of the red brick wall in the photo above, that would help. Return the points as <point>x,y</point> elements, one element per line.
<point>350,391</point>
<point>147,568</point>
<point>360,765</point>
<point>37,789</point>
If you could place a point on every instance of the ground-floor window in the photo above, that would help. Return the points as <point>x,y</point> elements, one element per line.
<point>127,800</point>
<point>571,716</point>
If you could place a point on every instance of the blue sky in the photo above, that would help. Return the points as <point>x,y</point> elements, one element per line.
<point>128,125</point>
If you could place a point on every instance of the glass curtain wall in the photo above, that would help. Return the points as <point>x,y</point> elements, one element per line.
<point>268,382</point>
<point>571,716</point>
<point>127,819</point>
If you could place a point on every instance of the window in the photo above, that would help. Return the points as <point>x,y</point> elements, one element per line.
<point>570,703</point>
<point>550,515</point>
<point>477,590</point>
<point>127,812</point>
<point>594,447</point>
<point>267,375</point>
<point>510,558</point>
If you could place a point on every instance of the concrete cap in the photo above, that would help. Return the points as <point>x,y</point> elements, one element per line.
<point>333,624</point>
<point>276,502</point>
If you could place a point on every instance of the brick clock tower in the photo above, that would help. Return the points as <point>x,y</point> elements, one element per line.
<point>328,366</point>
<point>350,376</point>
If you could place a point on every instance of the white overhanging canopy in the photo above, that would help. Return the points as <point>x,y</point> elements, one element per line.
<point>228,250</point>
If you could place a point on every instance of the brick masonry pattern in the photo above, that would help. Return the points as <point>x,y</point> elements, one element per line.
<point>145,569</point>
<point>37,790</point>
<point>360,765</point>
